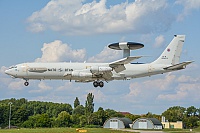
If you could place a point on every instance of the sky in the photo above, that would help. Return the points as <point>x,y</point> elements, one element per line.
<point>80,30</point>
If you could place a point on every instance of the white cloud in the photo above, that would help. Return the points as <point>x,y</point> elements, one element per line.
<point>2,70</point>
<point>16,85</point>
<point>49,98</point>
<point>155,89</point>
<point>188,5</point>
<point>66,86</point>
<point>42,87</point>
<point>106,55</point>
<point>3,78</point>
<point>159,41</point>
<point>134,91</point>
<point>185,78</point>
<point>100,97</point>
<point>76,17</point>
<point>183,92</point>
<point>57,51</point>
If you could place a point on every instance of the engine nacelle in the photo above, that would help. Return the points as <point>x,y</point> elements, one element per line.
<point>81,74</point>
<point>97,69</point>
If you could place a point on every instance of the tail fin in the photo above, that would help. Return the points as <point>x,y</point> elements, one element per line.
<point>171,55</point>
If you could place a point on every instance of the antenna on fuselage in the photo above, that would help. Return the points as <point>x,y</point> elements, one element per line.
<point>126,47</point>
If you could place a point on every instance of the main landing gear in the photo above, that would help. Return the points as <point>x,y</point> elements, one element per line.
<point>26,83</point>
<point>98,83</point>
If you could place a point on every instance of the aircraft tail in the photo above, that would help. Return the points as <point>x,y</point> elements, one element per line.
<point>172,53</point>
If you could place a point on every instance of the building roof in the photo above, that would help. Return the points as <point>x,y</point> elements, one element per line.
<point>125,120</point>
<point>155,121</point>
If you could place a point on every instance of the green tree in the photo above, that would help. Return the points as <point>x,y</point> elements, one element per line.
<point>79,110</point>
<point>94,119</point>
<point>76,102</point>
<point>83,120</point>
<point>4,113</point>
<point>63,119</point>
<point>89,107</point>
<point>174,114</point>
<point>19,116</point>
<point>75,120</point>
<point>151,115</point>
<point>39,120</point>
<point>192,111</point>
<point>132,117</point>
<point>191,121</point>
<point>113,113</point>
<point>101,115</point>
<point>43,120</point>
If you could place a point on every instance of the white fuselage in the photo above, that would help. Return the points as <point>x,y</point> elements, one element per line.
<point>57,70</point>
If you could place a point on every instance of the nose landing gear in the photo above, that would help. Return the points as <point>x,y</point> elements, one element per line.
<point>26,83</point>
<point>98,83</point>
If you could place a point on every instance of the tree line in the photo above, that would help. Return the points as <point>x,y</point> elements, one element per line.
<point>190,116</point>
<point>32,114</point>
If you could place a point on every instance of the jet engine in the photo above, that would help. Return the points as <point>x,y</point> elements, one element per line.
<point>97,69</point>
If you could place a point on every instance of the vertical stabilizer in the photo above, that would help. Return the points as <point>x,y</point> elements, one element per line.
<point>172,53</point>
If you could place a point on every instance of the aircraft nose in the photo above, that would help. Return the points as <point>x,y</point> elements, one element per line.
<point>8,72</point>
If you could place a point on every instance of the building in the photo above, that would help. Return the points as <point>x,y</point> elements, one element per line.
<point>177,125</point>
<point>167,124</point>
<point>147,123</point>
<point>117,123</point>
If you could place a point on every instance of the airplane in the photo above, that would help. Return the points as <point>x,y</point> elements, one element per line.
<point>97,73</point>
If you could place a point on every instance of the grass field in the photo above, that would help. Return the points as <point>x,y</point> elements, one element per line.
<point>59,130</point>
<point>197,130</point>
<point>89,130</point>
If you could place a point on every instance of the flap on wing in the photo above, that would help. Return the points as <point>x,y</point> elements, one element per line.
<point>178,66</point>
<point>118,65</point>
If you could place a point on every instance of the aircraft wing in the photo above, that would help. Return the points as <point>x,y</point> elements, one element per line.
<point>178,66</point>
<point>118,65</point>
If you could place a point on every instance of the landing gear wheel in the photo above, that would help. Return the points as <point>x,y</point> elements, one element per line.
<point>96,84</point>
<point>101,84</point>
<point>26,83</point>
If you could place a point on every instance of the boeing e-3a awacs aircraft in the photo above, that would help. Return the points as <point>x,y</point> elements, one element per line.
<point>121,69</point>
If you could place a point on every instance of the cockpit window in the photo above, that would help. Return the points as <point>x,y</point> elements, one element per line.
<point>12,67</point>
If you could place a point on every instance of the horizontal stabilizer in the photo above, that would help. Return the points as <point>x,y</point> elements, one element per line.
<point>178,66</point>
<point>118,65</point>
